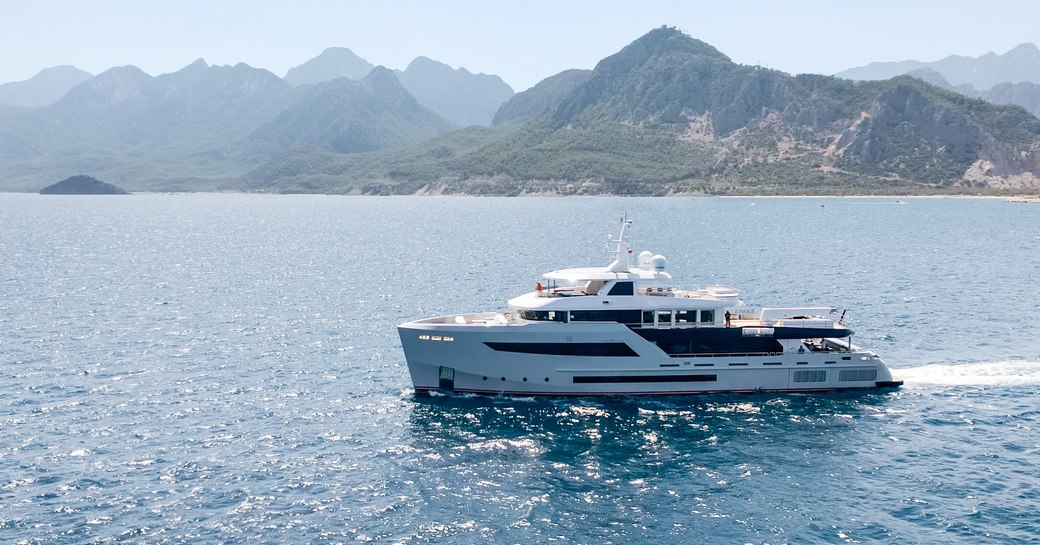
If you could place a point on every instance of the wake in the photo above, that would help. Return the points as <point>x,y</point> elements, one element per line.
<point>991,373</point>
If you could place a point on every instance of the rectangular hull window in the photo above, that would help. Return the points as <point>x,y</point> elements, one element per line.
<point>810,376</point>
<point>857,375</point>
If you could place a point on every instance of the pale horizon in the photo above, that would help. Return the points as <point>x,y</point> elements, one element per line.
<point>522,44</point>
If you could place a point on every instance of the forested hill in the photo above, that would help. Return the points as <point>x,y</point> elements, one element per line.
<point>669,113</point>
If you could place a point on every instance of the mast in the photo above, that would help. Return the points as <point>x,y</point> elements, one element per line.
<point>621,261</point>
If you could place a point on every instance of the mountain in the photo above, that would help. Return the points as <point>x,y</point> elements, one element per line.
<point>333,63</point>
<point>199,106</point>
<point>176,131</point>
<point>542,98</point>
<point>671,114</point>
<point>1021,63</point>
<point>201,127</point>
<point>85,116</point>
<point>461,97</point>
<point>1024,94</point>
<point>348,116</point>
<point>458,95</point>
<point>44,88</point>
<point>933,77</point>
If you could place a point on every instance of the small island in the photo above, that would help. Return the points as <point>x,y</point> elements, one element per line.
<point>82,185</point>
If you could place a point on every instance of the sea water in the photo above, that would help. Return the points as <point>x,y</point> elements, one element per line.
<point>226,369</point>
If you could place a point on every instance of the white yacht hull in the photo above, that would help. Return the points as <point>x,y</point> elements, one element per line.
<point>547,358</point>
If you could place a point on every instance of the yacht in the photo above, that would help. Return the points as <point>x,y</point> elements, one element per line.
<point>617,330</point>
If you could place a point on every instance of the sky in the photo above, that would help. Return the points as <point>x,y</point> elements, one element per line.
<point>523,42</point>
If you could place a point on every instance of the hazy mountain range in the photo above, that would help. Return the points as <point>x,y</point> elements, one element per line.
<point>203,126</point>
<point>667,114</point>
<point>1021,64</point>
<point>1011,78</point>
<point>44,88</point>
<point>1024,93</point>
<point>461,97</point>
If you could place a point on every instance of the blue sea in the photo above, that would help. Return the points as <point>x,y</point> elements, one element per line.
<point>225,369</point>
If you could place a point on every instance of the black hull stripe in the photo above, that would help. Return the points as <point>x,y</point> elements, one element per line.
<point>610,350</point>
<point>428,389</point>
<point>628,379</point>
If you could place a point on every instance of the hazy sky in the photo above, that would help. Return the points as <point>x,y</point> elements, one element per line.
<point>522,41</point>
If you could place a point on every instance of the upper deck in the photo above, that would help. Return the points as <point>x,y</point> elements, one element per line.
<point>622,294</point>
<point>769,322</point>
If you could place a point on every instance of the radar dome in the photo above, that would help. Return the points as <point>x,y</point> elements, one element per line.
<point>644,259</point>
<point>658,263</point>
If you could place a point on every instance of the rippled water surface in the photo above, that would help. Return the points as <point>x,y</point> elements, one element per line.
<point>225,369</point>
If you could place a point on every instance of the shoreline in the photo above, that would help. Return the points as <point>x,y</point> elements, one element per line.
<point>1029,199</point>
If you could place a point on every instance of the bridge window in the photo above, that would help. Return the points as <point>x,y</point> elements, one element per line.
<point>622,288</point>
<point>664,318</point>
<point>543,315</point>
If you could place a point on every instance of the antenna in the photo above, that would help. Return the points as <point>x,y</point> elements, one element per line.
<point>621,261</point>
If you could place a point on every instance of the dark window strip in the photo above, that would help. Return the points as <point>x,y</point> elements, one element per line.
<point>644,378</point>
<point>617,350</point>
<point>726,355</point>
